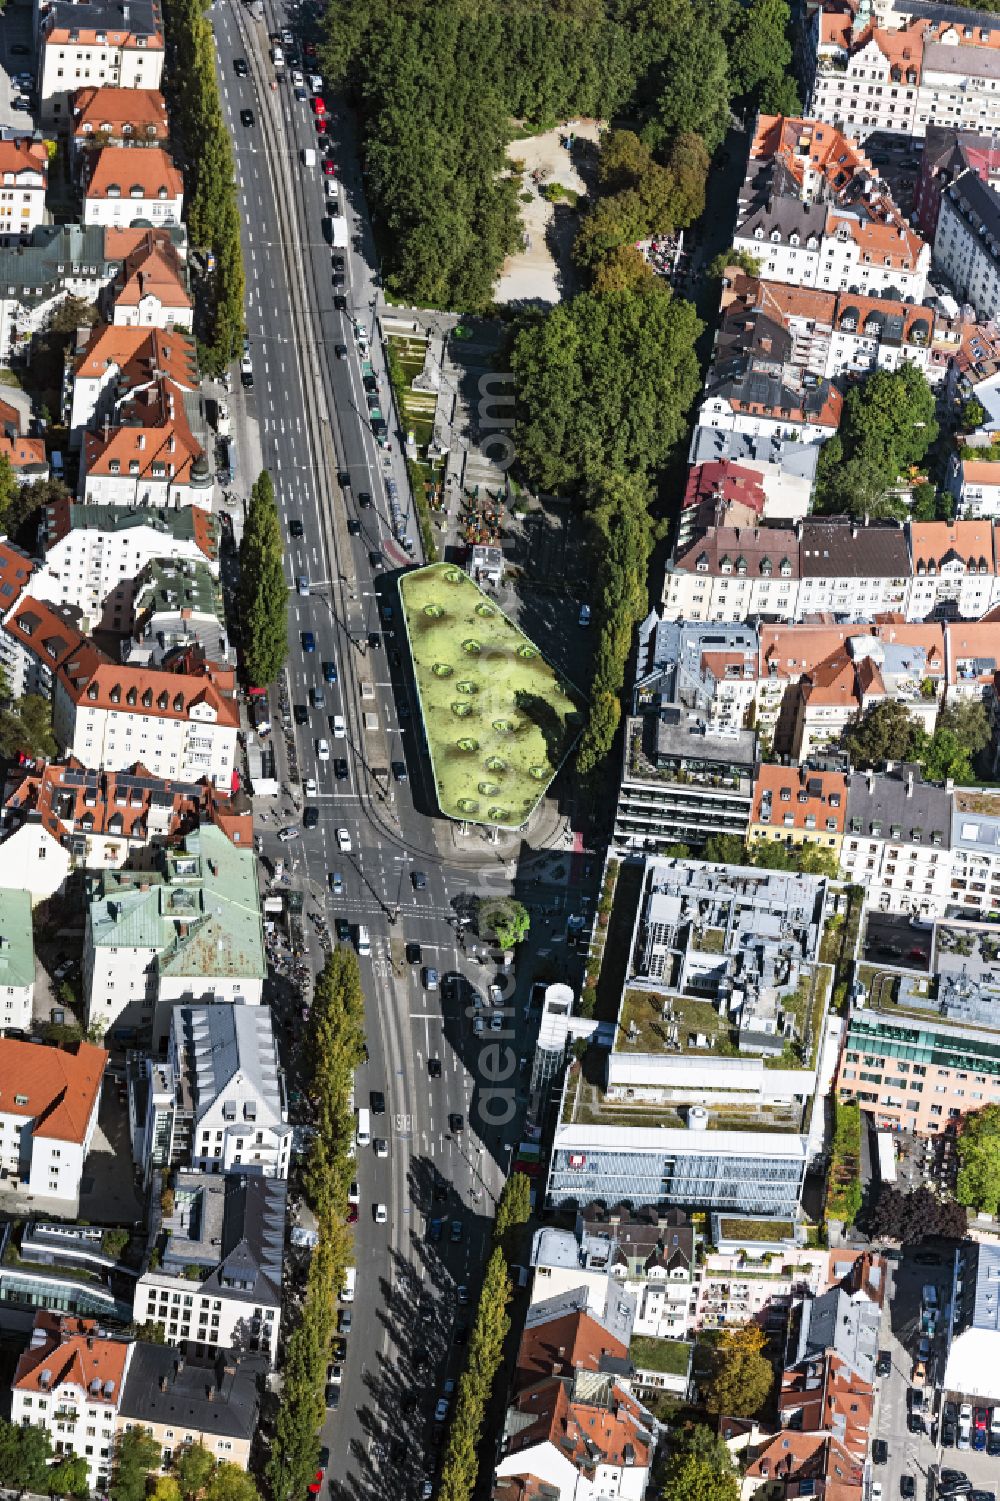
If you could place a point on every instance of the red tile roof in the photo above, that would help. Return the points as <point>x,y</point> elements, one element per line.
<point>138,354</point>
<point>67,1351</point>
<point>92,681</point>
<point>724,481</point>
<point>565,1344</point>
<point>107,111</point>
<point>52,1087</point>
<point>819,795</point>
<point>23,158</point>
<point>150,171</point>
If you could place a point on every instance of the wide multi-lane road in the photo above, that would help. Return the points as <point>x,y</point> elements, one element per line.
<point>311,421</point>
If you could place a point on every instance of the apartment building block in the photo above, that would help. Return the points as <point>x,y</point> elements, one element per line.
<point>132,357</point>
<point>148,455</point>
<point>17,957</point>
<point>967,243</point>
<point>49,1099</point>
<point>799,805</point>
<point>119,117</point>
<point>95,43</point>
<point>24,173</point>
<point>896,842</point>
<point>129,188</point>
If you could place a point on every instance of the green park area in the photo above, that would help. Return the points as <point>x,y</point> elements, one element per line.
<point>498,718</point>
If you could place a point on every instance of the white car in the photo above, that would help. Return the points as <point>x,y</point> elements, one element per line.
<point>496,995</point>
<point>344,842</point>
<point>310,786</point>
<point>246,363</point>
<point>322,750</point>
<point>875,1494</point>
<point>496,1022</point>
<point>298,82</point>
<point>316,83</point>
<point>339,727</point>
<point>381,1146</point>
<point>354,1194</point>
<point>381,1214</point>
<point>287,835</point>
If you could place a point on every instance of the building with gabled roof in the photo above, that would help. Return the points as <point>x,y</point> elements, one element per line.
<point>149,455</point>
<point>218,1101</point>
<point>69,1382</point>
<point>180,1400</point>
<point>178,606</point>
<point>133,188</point>
<point>787,471</point>
<point>150,287</point>
<point>180,720</point>
<point>799,805</point>
<point>120,117</point>
<point>127,357</point>
<point>821,1393</point>
<point>954,570</point>
<point>804,1464</point>
<point>49,1099</point>
<point>120,42</point>
<point>24,174</point>
<point>17,957</point>
<point>896,841</point>
<point>57,817</point>
<point>25,454</point>
<point>187,932</point>
<point>230,1229</point>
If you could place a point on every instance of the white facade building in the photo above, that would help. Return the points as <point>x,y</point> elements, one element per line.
<point>49,1099</point>
<point>24,168</point>
<point>88,42</point>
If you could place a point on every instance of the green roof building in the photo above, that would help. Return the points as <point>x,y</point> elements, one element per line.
<point>17,960</point>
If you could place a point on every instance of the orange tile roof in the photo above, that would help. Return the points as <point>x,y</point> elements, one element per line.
<point>137,353</point>
<point>895,244</point>
<point>797,141</point>
<point>109,110</point>
<point>973,641</point>
<point>52,1087</point>
<point>155,432</point>
<point>819,795</point>
<point>823,1393</point>
<point>49,632</point>
<point>980,472</point>
<point>152,268</point>
<point>99,36</point>
<point>564,1344</point>
<point>151,171</point>
<point>23,452</point>
<point>16,569</point>
<point>119,243</point>
<point>73,1352</point>
<point>578,1427</point>
<point>937,541</point>
<point>22,156</point>
<point>792,1458</point>
<point>91,680</point>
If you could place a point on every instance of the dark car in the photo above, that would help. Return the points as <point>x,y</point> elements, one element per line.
<point>953,1483</point>
<point>370,382</point>
<point>883,1366</point>
<point>440,1194</point>
<point>308,641</point>
<point>387,614</point>
<point>329,672</point>
<point>337,261</point>
<point>434,1068</point>
<point>353,527</point>
<point>434,1230</point>
<point>880,1451</point>
<point>461,1335</point>
<point>456,1122</point>
<point>364,500</point>
<point>24,105</point>
<point>247,117</point>
<point>301,714</point>
<point>296,528</point>
<point>317,697</point>
<point>374,640</point>
<point>414,953</point>
<point>340,303</point>
<point>239,66</point>
<point>915,1422</point>
<point>340,769</point>
<point>344,478</point>
<point>992,1443</point>
<point>419,880</point>
<point>375,558</point>
<point>246,379</point>
<point>377,1102</point>
<point>344,1321</point>
<point>907,1486</point>
<point>310,817</point>
<point>332,1396</point>
<point>340,350</point>
<point>338,278</point>
<point>949,1435</point>
<point>343,930</point>
<point>457,1231</point>
<point>399,771</point>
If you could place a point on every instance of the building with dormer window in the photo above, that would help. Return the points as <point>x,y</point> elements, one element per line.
<point>126,188</point>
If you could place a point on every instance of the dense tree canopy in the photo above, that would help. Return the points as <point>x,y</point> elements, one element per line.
<point>912,1217</point>
<point>742,1375</point>
<point>888,425</point>
<point>263,593</point>
<point>700,1468</point>
<point>604,385</point>
<point>889,732</point>
<point>978,1184</point>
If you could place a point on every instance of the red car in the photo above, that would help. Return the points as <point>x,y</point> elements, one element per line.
<point>309,49</point>
<point>352,1214</point>
<point>315,1486</point>
<point>321,125</point>
<point>329,170</point>
<point>319,106</point>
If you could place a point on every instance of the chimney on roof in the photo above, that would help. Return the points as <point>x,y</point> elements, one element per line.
<point>90,1341</point>
<point>909,784</point>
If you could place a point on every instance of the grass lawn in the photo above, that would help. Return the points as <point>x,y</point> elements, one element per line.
<point>671,1356</point>
<point>756,1230</point>
<point>499,720</point>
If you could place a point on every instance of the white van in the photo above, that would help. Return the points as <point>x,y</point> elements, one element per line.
<point>350,1282</point>
<point>364,1127</point>
<point>308,156</point>
<point>364,940</point>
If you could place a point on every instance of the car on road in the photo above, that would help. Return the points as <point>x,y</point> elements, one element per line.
<point>419,880</point>
<point>310,817</point>
<point>340,769</point>
<point>339,1349</point>
<point>457,1231</point>
<point>340,303</point>
<point>297,79</point>
<point>364,500</point>
<point>332,1396</point>
<point>953,1483</point>
<point>321,125</point>
<point>315,79</point>
<point>880,1451</point>
<point>337,261</point>
<point>329,170</point>
<point>322,750</point>
<point>340,350</point>
<point>399,771</point>
<point>300,714</point>
<point>980,1428</point>
<point>354,1193</point>
<point>381,1146</point>
<point>377,1102</point>
<point>380,1214</point>
<point>353,526</point>
<point>949,1435</point>
<point>434,1230</point>
<point>982,1495</point>
<point>413,953</point>
<point>240,67</point>
<point>308,641</point>
<point>462,1294</point>
<point>336,883</point>
<point>478,1025</point>
<point>296,528</point>
<point>907,1487</point>
<point>374,640</point>
<point>344,842</point>
<point>343,928</point>
<point>288,834</point>
<point>441,1410</point>
<point>875,1494</point>
<point>496,1022</point>
<point>584,616</point>
<point>247,117</point>
<point>338,726</point>
<point>317,698</point>
<point>427,1490</point>
<point>434,1068</point>
<point>302,584</point>
<point>319,106</point>
<point>329,672</point>
<point>344,1321</point>
<point>456,1122</point>
<point>24,106</point>
<point>430,977</point>
<point>883,1365</point>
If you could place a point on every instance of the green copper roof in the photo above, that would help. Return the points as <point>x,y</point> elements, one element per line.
<point>17,947</point>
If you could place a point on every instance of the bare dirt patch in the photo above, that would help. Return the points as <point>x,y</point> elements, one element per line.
<point>542,272</point>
